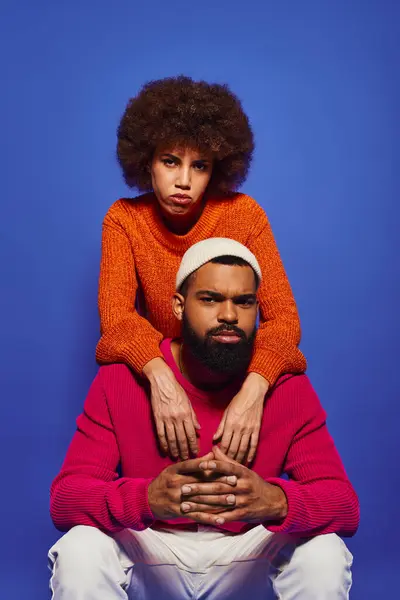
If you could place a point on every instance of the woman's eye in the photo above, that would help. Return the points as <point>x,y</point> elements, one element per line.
<point>169,162</point>
<point>200,166</point>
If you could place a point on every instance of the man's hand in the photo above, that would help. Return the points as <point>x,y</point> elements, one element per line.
<point>241,421</point>
<point>165,491</point>
<point>254,500</point>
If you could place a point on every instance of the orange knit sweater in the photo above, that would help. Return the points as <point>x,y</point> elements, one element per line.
<point>140,258</point>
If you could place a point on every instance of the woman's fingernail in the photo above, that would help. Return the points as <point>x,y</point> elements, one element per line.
<point>186,489</point>
<point>185,507</point>
<point>231,479</point>
<point>231,499</point>
<point>220,521</point>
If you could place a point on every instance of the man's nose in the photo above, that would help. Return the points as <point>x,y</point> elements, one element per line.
<point>228,313</point>
<point>184,178</point>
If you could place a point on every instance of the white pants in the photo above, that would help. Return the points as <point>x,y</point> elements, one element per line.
<point>197,565</point>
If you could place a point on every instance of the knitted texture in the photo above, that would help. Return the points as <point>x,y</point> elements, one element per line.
<point>201,253</point>
<point>116,430</point>
<point>139,254</point>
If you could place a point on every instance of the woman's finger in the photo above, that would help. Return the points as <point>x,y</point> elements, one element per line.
<point>161,435</point>
<point>234,445</point>
<point>220,429</point>
<point>171,439</point>
<point>243,448</point>
<point>226,439</point>
<point>182,440</point>
<point>191,436</point>
<point>253,446</point>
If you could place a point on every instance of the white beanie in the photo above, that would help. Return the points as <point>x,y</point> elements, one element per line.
<point>203,252</point>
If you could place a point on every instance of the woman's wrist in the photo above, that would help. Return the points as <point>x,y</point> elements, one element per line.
<point>256,383</point>
<point>154,368</point>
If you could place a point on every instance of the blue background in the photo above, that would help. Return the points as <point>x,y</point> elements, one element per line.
<point>320,82</point>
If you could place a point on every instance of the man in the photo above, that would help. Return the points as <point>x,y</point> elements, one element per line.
<point>206,527</point>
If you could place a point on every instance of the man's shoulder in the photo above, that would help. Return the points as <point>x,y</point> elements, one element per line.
<point>295,391</point>
<point>119,375</point>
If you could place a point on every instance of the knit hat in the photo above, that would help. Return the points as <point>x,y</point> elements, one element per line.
<point>203,252</point>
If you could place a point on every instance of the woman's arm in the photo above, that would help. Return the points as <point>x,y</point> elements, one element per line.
<point>275,350</point>
<point>126,336</point>
<point>130,339</point>
<point>276,346</point>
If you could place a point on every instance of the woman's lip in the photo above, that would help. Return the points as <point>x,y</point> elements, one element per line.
<point>228,338</point>
<point>181,200</point>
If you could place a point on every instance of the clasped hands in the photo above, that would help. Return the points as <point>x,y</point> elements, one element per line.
<point>213,490</point>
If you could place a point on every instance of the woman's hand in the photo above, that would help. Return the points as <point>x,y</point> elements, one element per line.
<point>241,421</point>
<point>175,419</point>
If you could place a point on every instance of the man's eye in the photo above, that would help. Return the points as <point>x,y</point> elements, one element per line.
<point>207,300</point>
<point>248,302</point>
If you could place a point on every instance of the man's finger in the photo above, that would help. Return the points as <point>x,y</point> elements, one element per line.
<point>192,508</point>
<point>197,489</point>
<point>244,446</point>
<point>171,437</point>
<point>223,467</point>
<point>193,464</point>
<point>182,441</point>
<point>207,518</point>
<point>225,500</point>
<point>191,436</point>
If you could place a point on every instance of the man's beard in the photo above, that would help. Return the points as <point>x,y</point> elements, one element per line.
<point>229,359</point>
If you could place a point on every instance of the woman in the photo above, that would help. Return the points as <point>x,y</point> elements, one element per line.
<point>189,146</point>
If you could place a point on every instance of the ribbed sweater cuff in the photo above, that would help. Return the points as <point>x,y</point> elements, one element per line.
<point>268,364</point>
<point>295,521</point>
<point>140,355</point>
<point>137,512</point>
<point>114,347</point>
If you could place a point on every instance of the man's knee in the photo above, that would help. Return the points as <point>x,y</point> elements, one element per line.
<point>324,563</point>
<point>80,554</point>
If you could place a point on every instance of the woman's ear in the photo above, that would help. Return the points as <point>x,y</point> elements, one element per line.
<point>178,305</point>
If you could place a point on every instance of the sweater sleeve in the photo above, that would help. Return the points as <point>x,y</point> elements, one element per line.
<point>88,491</point>
<point>319,494</point>
<point>276,346</point>
<point>126,337</point>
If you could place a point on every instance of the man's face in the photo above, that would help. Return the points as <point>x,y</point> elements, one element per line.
<point>219,316</point>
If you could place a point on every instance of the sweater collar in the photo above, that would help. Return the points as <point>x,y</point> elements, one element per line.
<point>216,398</point>
<point>212,212</point>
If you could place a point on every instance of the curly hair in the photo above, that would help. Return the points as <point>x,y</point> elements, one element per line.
<point>185,113</point>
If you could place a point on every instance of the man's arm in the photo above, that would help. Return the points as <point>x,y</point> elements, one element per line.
<point>317,499</point>
<point>88,491</point>
<point>320,497</point>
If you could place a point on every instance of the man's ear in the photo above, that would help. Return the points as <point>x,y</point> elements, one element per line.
<point>178,305</point>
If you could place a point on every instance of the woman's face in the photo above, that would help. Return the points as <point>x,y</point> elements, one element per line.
<point>180,177</point>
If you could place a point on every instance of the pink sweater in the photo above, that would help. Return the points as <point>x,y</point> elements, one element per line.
<point>116,432</point>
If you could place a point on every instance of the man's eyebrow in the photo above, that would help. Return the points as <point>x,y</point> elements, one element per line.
<point>244,297</point>
<point>218,296</point>
<point>215,295</point>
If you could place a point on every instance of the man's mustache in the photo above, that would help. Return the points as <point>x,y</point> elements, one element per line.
<point>222,328</point>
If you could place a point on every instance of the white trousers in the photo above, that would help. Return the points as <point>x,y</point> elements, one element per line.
<point>197,565</point>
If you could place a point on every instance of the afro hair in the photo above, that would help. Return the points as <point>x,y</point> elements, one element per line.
<point>180,112</point>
